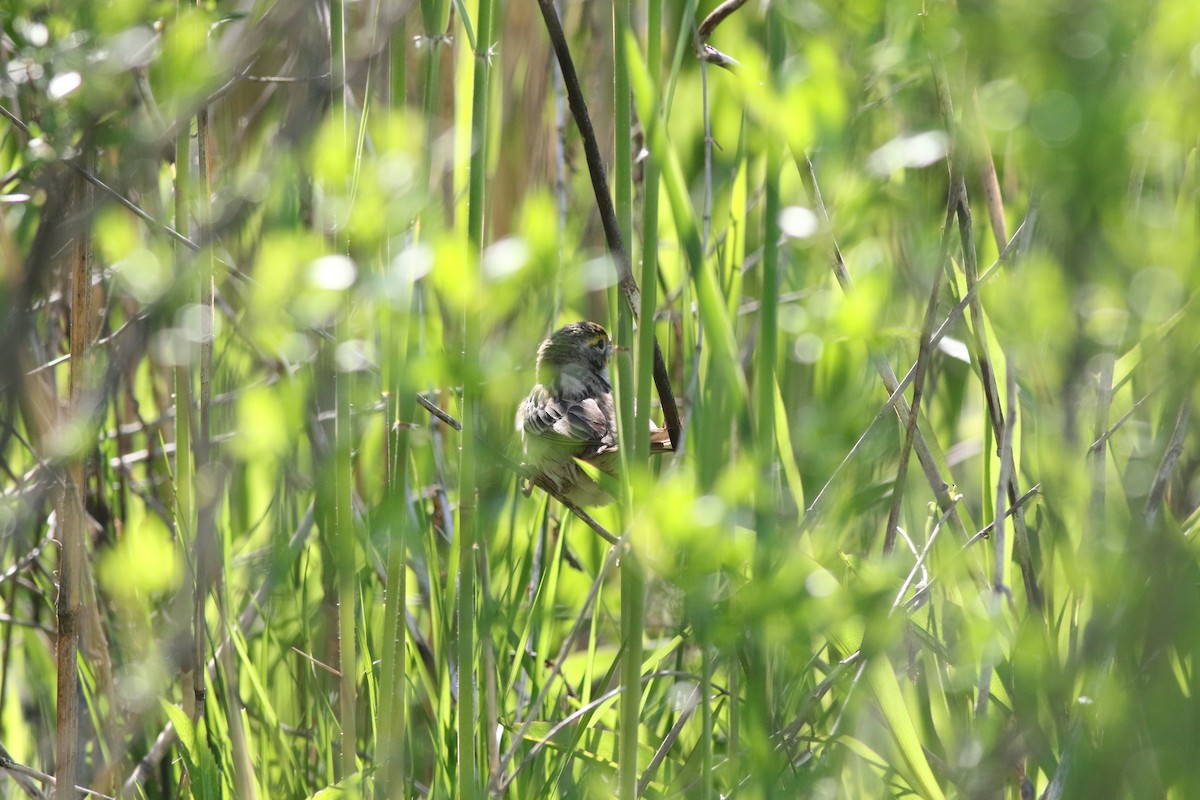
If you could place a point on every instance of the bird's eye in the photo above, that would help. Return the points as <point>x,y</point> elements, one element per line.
<point>600,343</point>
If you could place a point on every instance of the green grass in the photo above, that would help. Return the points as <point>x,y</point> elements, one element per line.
<point>293,579</point>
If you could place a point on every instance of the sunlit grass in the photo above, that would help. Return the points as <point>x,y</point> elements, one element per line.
<point>296,580</point>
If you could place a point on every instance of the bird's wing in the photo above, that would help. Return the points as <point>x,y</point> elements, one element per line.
<point>578,425</point>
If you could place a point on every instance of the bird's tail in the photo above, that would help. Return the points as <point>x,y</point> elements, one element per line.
<point>660,440</point>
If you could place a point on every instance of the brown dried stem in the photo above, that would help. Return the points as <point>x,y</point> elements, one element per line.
<point>704,50</point>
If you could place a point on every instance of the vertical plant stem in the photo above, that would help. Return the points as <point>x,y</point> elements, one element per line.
<point>632,578</point>
<point>433,22</point>
<point>706,116</point>
<point>209,544</point>
<point>344,556</point>
<point>768,318</point>
<point>758,700</point>
<point>343,510</point>
<point>645,342</point>
<point>646,349</point>
<point>400,403</point>
<point>491,709</point>
<point>999,531</point>
<point>347,588</point>
<point>192,679</point>
<point>432,97</point>
<point>623,189</point>
<point>185,478</point>
<point>1099,454</point>
<point>393,709</point>
<point>707,782</point>
<point>991,184</point>
<point>560,179</point>
<point>206,545</point>
<point>468,528</point>
<point>633,589</point>
<point>206,551</point>
<point>622,123</point>
<point>70,513</point>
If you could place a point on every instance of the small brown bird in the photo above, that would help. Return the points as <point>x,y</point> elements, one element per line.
<point>570,415</point>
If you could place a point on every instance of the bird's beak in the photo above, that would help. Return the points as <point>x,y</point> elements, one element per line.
<point>620,348</point>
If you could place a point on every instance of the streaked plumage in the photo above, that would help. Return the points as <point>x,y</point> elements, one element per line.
<point>569,414</point>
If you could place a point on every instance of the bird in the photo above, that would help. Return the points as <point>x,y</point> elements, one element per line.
<point>569,415</point>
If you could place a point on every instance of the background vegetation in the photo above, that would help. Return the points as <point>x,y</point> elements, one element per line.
<point>249,248</point>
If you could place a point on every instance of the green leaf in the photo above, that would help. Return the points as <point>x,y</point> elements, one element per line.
<point>881,677</point>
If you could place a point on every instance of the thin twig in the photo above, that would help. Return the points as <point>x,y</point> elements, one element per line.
<point>1097,453</point>
<point>428,405</point>
<point>1158,486</point>
<point>924,355</point>
<point>285,79</point>
<point>26,559</point>
<point>999,557</point>
<point>664,747</point>
<point>919,564</point>
<point>1007,467</point>
<point>986,530</point>
<point>706,52</point>
<point>706,214</point>
<point>15,768</point>
<point>584,517</point>
<point>1098,445</point>
<point>991,185</point>
<point>717,16</point>
<point>922,594</point>
<point>560,181</point>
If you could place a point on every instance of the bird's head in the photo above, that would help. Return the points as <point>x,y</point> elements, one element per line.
<point>578,345</point>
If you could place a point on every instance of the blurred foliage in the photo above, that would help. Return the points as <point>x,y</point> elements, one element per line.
<point>273,200</point>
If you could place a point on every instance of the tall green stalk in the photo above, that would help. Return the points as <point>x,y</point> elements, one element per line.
<point>392,722</point>
<point>344,557</point>
<point>434,14</point>
<point>394,678</point>
<point>768,319</point>
<point>467,538</point>
<point>185,476</point>
<point>649,277</point>
<point>758,698</point>
<point>342,540</point>
<point>73,529</point>
<point>633,584</point>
